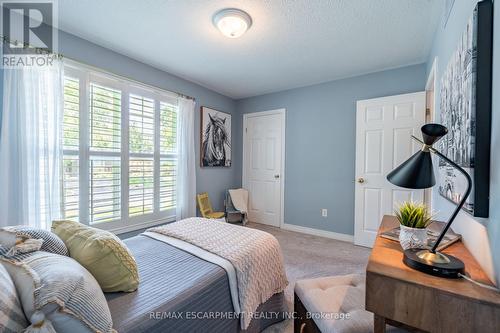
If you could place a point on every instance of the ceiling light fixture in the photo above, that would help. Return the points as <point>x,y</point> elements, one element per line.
<point>232,22</point>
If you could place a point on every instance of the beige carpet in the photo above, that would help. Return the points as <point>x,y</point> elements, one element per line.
<point>311,256</point>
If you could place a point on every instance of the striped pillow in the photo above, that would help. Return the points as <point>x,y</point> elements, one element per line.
<point>58,290</point>
<point>9,236</point>
<point>12,317</point>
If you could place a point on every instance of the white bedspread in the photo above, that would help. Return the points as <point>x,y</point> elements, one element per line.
<point>254,254</point>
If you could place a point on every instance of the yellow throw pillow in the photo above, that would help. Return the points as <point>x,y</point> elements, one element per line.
<point>103,254</point>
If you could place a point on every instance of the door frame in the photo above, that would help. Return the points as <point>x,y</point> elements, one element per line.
<point>430,117</point>
<point>431,85</point>
<point>244,180</point>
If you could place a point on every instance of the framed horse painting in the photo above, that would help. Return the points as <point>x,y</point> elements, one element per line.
<point>215,138</point>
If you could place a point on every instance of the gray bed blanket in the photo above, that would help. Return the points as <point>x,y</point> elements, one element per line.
<point>180,292</point>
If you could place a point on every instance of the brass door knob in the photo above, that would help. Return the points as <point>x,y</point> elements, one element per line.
<point>361,180</point>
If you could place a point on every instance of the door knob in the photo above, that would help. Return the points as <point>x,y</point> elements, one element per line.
<point>276,176</point>
<point>361,180</point>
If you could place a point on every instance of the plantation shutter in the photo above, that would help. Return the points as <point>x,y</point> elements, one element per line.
<point>141,162</point>
<point>168,155</point>
<point>104,153</point>
<point>71,146</point>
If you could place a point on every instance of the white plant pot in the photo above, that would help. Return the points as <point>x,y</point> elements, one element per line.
<point>412,238</point>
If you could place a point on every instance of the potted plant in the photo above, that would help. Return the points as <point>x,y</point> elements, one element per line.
<point>413,219</point>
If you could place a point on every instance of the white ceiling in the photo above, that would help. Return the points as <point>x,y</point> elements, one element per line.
<point>291,43</point>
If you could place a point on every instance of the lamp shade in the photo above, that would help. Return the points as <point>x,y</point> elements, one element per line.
<point>431,133</point>
<point>416,172</point>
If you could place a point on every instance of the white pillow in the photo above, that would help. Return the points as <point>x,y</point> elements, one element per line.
<point>61,289</point>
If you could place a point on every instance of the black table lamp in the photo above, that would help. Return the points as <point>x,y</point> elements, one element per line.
<point>418,173</point>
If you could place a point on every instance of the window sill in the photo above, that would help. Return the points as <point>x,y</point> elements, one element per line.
<point>136,226</point>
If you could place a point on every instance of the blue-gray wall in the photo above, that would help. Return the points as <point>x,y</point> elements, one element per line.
<point>212,180</point>
<point>320,142</point>
<point>482,236</point>
<point>1,89</point>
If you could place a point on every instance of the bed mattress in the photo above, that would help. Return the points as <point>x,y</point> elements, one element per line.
<point>180,292</point>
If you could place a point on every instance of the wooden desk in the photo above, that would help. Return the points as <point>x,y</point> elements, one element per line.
<point>401,296</point>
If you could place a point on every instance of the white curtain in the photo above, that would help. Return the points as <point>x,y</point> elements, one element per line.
<point>30,146</point>
<point>186,162</point>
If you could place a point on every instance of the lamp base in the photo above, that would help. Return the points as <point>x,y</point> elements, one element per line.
<point>436,264</point>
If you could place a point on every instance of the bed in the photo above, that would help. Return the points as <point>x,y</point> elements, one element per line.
<point>179,292</point>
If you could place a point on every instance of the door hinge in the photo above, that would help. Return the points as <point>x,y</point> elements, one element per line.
<point>246,130</point>
<point>427,112</point>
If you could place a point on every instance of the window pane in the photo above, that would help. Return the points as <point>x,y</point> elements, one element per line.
<point>71,187</point>
<point>105,118</point>
<point>141,124</point>
<point>71,115</point>
<point>141,186</point>
<point>168,128</point>
<point>105,189</point>
<point>168,167</point>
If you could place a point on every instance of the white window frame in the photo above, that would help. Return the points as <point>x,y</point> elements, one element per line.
<point>86,75</point>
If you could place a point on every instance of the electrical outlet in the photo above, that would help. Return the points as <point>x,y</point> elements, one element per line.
<point>324,212</point>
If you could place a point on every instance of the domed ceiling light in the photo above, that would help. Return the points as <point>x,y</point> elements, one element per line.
<point>232,22</point>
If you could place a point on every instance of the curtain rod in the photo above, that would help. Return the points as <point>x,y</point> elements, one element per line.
<point>6,39</point>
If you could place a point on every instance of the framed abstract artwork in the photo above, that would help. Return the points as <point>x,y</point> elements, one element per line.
<point>465,106</point>
<point>215,138</point>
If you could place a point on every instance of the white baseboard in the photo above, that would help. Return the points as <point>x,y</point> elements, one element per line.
<point>318,232</point>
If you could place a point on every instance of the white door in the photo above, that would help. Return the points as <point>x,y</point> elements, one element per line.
<point>263,165</point>
<point>383,141</point>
